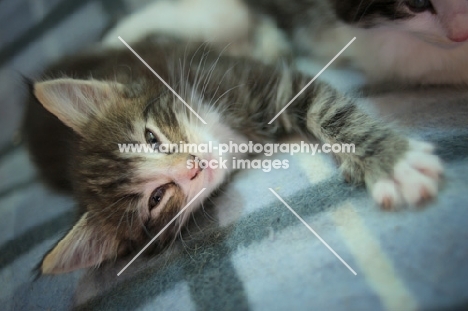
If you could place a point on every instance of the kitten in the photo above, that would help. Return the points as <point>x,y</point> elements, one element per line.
<point>419,41</point>
<point>84,106</point>
<point>416,41</point>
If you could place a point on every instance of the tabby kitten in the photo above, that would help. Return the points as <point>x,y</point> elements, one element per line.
<point>84,106</point>
<point>416,41</point>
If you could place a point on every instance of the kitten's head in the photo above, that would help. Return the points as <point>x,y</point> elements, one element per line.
<point>128,197</point>
<point>437,21</point>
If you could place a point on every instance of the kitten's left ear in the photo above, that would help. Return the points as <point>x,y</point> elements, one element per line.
<point>74,102</point>
<point>84,246</point>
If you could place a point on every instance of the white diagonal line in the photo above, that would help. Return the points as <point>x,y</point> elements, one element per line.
<point>162,230</point>
<point>312,230</point>
<point>164,82</point>
<point>311,81</point>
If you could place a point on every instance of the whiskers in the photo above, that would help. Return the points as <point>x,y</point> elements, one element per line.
<point>198,81</point>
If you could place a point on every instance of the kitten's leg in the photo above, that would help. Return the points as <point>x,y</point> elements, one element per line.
<point>227,22</point>
<point>396,170</point>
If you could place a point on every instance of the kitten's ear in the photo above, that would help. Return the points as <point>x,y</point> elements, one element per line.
<point>75,101</point>
<point>84,246</point>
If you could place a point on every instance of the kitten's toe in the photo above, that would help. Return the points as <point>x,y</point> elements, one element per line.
<point>386,194</point>
<point>415,186</point>
<point>428,164</point>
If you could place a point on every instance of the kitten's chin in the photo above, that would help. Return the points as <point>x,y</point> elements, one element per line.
<point>207,181</point>
<point>214,176</point>
<point>209,178</point>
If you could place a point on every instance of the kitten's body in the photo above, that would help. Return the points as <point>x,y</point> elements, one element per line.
<point>393,42</point>
<point>109,98</point>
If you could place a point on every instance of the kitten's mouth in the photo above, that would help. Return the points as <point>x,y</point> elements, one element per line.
<point>199,169</point>
<point>194,176</point>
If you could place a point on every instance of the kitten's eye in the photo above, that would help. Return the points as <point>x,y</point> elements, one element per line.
<point>418,6</point>
<point>156,197</point>
<point>151,139</point>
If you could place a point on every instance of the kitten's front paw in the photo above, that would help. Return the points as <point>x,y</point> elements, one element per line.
<point>415,178</point>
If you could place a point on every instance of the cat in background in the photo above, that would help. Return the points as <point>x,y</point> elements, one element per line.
<point>409,41</point>
<point>85,105</point>
<point>419,41</point>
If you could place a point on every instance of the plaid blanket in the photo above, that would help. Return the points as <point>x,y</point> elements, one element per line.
<point>245,250</point>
